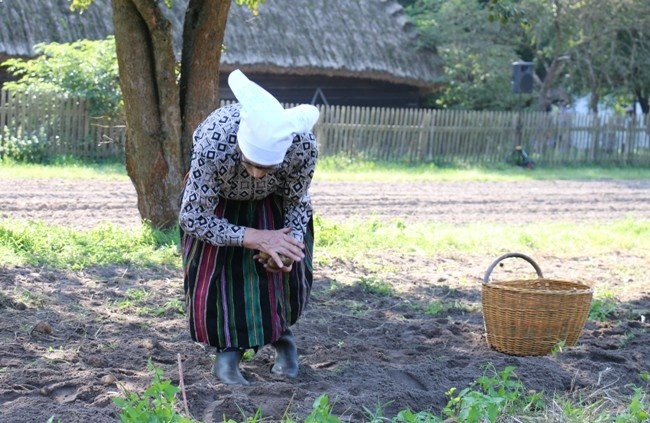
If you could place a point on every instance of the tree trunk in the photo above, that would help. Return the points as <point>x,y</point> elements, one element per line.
<point>643,101</point>
<point>160,117</point>
<point>203,33</point>
<point>558,61</point>
<point>594,100</point>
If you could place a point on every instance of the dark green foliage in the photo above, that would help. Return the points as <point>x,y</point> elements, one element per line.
<point>84,69</point>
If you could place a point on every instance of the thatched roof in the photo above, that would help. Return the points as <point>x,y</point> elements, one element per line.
<point>24,23</point>
<point>350,38</point>
<point>369,38</point>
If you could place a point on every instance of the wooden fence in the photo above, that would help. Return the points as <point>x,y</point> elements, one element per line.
<point>407,135</point>
<point>58,126</point>
<point>447,136</point>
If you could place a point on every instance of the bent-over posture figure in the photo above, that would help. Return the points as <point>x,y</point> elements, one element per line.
<point>246,198</point>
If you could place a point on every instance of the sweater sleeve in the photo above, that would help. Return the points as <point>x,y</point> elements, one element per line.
<point>298,210</point>
<point>201,195</point>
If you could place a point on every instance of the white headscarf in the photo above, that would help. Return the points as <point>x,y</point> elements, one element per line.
<point>266,129</point>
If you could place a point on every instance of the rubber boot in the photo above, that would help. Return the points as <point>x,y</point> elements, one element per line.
<point>286,356</point>
<point>226,368</point>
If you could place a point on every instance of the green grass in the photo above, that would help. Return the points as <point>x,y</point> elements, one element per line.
<point>347,170</point>
<point>64,168</point>
<point>37,244</point>
<point>357,238</point>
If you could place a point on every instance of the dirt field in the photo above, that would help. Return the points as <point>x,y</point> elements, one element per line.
<point>363,349</point>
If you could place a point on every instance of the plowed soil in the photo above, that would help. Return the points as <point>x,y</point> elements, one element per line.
<point>70,341</point>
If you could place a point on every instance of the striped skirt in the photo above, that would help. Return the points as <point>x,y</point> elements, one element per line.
<point>232,301</point>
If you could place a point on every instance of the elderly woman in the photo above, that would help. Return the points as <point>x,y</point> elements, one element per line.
<point>247,231</point>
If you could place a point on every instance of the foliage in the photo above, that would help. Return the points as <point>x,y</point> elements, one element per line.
<point>638,410</point>
<point>502,10</point>
<point>603,307</point>
<point>438,307</point>
<point>565,39</point>
<point>251,4</point>
<point>85,69</point>
<point>495,394</point>
<point>375,286</point>
<point>158,405</point>
<point>21,147</point>
<point>619,28</point>
<point>476,53</point>
<point>321,411</point>
<point>408,416</point>
<point>155,405</point>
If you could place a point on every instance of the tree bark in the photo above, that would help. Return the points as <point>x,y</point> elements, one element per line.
<point>558,60</point>
<point>203,34</point>
<point>643,100</point>
<point>160,115</point>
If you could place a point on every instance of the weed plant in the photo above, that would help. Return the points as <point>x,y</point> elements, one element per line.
<point>495,395</point>
<point>492,395</point>
<point>603,307</point>
<point>156,404</point>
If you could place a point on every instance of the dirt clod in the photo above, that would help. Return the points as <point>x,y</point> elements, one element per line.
<point>42,327</point>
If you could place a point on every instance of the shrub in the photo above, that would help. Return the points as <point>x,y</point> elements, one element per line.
<point>22,147</point>
<point>85,69</point>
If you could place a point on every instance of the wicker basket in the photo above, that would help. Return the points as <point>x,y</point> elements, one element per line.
<point>530,317</point>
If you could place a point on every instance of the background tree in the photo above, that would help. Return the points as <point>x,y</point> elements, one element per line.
<point>611,56</point>
<point>634,40</point>
<point>477,50</point>
<point>578,47</point>
<point>161,107</point>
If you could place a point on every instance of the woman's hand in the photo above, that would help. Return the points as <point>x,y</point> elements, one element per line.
<point>269,264</point>
<point>274,243</point>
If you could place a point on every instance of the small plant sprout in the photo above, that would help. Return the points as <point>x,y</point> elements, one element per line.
<point>376,286</point>
<point>558,348</point>
<point>603,307</point>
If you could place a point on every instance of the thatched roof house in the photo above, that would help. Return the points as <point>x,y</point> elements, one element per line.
<point>360,52</point>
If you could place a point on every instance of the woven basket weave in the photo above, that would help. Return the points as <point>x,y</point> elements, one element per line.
<point>530,317</point>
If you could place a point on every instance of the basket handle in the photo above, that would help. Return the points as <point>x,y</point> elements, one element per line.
<point>508,255</point>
